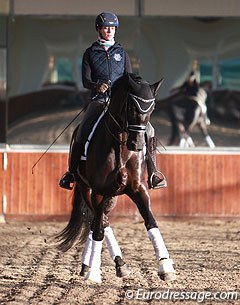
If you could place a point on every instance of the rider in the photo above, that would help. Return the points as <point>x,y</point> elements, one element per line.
<point>103,63</point>
<point>191,86</point>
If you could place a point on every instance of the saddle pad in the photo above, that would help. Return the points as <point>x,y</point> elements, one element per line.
<point>84,157</point>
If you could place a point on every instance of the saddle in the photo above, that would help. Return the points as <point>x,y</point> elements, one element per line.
<point>86,129</point>
<point>90,135</point>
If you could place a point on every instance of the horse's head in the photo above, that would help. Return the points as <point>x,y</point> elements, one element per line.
<point>140,104</point>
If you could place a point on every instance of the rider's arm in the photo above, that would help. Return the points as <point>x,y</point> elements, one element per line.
<point>86,77</point>
<point>128,66</point>
<point>86,73</point>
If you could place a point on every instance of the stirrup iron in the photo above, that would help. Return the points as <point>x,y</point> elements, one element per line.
<point>162,183</point>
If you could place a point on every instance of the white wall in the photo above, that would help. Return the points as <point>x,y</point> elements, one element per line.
<point>127,7</point>
<point>73,7</point>
<point>192,8</point>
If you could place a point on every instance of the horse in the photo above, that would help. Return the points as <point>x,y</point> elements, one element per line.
<point>223,103</point>
<point>186,112</point>
<point>116,165</point>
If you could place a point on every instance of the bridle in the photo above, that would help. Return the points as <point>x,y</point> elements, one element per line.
<point>143,106</point>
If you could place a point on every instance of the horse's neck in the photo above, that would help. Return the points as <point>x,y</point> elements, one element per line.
<point>115,114</point>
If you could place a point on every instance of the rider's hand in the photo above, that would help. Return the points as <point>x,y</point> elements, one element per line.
<point>102,88</point>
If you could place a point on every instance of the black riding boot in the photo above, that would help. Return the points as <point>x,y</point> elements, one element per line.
<point>74,157</point>
<point>155,178</point>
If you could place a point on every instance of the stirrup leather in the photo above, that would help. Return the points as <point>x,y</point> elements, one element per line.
<point>162,183</point>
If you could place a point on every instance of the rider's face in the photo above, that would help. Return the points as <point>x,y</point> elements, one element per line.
<point>107,32</point>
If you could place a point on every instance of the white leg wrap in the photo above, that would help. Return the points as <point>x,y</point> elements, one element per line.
<point>87,250</point>
<point>94,273</point>
<point>182,142</point>
<point>166,271</point>
<point>95,258</point>
<point>190,142</point>
<point>158,243</point>
<point>112,244</point>
<point>210,142</point>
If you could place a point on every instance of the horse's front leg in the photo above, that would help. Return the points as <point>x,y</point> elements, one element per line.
<point>115,252</point>
<point>94,273</point>
<point>165,265</point>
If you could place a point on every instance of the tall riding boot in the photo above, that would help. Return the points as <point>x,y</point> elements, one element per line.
<point>74,157</point>
<point>155,178</point>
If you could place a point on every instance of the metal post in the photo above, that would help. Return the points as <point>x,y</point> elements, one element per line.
<point>4,100</point>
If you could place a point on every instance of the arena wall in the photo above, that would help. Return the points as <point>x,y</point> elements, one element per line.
<point>201,184</point>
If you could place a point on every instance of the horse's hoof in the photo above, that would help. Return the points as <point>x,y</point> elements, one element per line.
<point>84,270</point>
<point>122,271</point>
<point>121,267</point>
<point>166,271</point>
<point>167,277</point>
<point>94,276</point>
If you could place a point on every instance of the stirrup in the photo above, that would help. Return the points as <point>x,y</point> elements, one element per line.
<point>160,184</point>
<point>66,181</point>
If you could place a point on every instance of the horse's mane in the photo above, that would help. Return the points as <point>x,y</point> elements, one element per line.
<point>118,83</point>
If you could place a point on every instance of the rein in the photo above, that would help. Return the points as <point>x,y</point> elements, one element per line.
<point>142,105</point>
<point>116,122</point>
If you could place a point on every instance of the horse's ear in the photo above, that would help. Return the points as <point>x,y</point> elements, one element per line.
<point>155,87</point>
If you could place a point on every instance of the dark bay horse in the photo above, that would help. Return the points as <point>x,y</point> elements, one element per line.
<point>115,165</point>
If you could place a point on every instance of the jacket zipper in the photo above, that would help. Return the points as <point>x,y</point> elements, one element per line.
<point>109,68</point>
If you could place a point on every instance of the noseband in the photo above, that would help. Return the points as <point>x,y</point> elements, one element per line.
<point>143,106</point>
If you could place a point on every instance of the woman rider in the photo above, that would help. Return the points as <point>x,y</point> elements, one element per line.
<point>103,63</point>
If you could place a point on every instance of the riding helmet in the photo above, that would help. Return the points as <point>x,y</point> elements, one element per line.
<point>106,19</point>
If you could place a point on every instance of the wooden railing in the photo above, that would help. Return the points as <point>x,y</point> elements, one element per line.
<point>200,184</point>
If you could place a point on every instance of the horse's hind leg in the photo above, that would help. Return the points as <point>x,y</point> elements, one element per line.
<point>166,271</point>
<point>86,255</point>
<point>182,143</point>
<point>189,141</point>
<point>94,273</point>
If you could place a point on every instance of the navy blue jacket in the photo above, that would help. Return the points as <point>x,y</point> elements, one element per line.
<point>101,66</point>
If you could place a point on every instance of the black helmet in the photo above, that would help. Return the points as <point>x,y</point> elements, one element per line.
<point>106,19</point>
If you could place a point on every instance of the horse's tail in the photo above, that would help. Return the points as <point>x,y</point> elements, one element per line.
<point>79,223</point>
